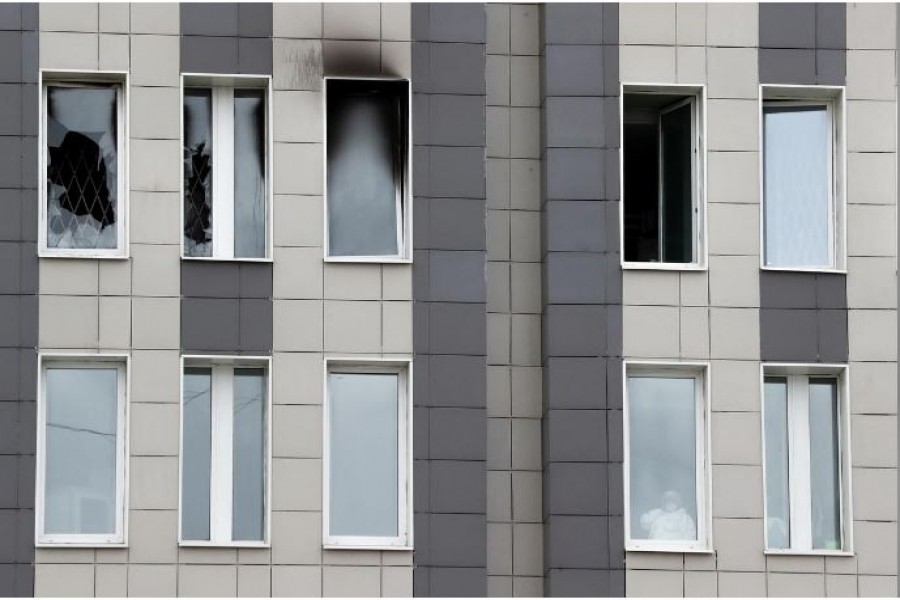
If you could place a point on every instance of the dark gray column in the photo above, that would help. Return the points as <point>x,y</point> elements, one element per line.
<point>227,38</point>
<point>803,44</point>
<point>18,293</point>
<point>582,340</point>
<point>450,427</point>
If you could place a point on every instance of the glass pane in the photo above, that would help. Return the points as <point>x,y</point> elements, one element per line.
<point>196,457</point>
<point>249,455</point>
<point>249,173</point>
<point>366,151</point>
<point>663,458</point>
<point>825,465</point>
<point>778,499</point>
<point>82,419</point>
<point>796,164</point>
<point>82,167</point>
<point>198,172</point>
<point>677,200</point>
<point>363,472</point>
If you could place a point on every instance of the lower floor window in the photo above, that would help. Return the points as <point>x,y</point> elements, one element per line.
<point>803,461</point>
<point>367,487</point>
<point>224,452</point>
<point>665,458</point>
<point>81,452</point>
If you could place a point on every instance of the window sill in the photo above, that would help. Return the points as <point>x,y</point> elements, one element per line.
<point>391,260</point>
<point>228,260</point>
<point>224,545</point>
<point>366,547</point>
<point>804,269</point>
<point>82,255</point>
<point>80,545</point>
<point>655,266</point>
<point>671,549</point>
<point>838,553</point>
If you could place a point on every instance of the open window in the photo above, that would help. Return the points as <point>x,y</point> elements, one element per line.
<point>368,488</point>
<point>662,178</point>
<point>367,170</point>
<point>225,452</point>
<point>83,203</point>
<point>226,183</point>
<point>806,459</point>
<point>81,451</point>
<point>665,457</point>
<point>802,166</point>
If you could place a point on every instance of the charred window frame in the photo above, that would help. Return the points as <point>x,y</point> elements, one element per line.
<point>663,217</point>
<point>368,206</point>
<point>83,203</point>
<point>226,168</point>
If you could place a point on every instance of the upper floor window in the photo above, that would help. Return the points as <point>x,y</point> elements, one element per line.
<point>83,165</point>
<point>806,459</point>
<point>81,452</point>
<point>662,175</point>
<point>802,211</point>
<point>367,157</point>
<point>226,183</point>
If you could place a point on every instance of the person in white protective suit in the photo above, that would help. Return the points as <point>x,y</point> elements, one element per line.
<point>671,521</point>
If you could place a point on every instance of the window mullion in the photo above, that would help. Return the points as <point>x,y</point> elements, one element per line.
<point>223,172</point>
<point>801,504</point>
<point>221,463</point>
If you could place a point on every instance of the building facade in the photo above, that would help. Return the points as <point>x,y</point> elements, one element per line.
<point>336,299</point>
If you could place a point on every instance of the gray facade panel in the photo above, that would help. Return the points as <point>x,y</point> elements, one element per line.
<point>831,25</point>
<point>575,173</point>
<point>226,38</point>
<point>576,383</point>
<point>575,122</point>
<point>575,330</point>
<point>212,19</point>
<point>255,19</point>
<point>571,70</point>
<point>787,25</point>
<point>787,66</point>
<point>210,324</point>
<point>449,299</point>
<point>576,226</point>
<point>803,44</point>
<point>577,542</point>
<point>831,67</point>
<point>577,488</point>
<point>204,54</point>
<point>574,278</point>
<point>579,583</point>
<point>576,24</point>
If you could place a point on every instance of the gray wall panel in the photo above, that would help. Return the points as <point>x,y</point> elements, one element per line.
<point>226,38</point>
<point>803,44</point>
<point>582,330</point>
<point>449,293</point>
<point>18,299</point>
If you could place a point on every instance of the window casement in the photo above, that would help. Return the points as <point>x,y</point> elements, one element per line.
<point>367,471</point>
<point>225,451</point>
<point>368,178</point>
<point>81,457</point>
<point>666,490</point>
<point>802,165</point>
<point>662,179</point>
<point>806,464</point>
<point>83,188</point>
<point>226,179</point>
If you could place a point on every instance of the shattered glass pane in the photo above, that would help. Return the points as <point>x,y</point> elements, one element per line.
<point>82,167</point>
<point>249,174</point>
<point>198,172</point>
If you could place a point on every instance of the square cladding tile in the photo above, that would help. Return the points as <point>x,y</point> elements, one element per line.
<point>210,324</point>
<point>255,56</point>
<point>255,280</point>
<point>456,120</point>
<point>575,383</point>
<point>458,540</point>
<point>787,25</point>
<point>577,542</point>
<point>575,174</point>
<point>208,279</point>
<point>577,488</point>
<point>788,335</point>
<point>574,23</point>
<point>831,67</point>
<point>576,436</point>
<point>831,25</point>
<point>458,582</point>
<point>788,290</point>
<point>573,70</point>
<point>456,224</point>
<point>831,290</point>
<point>457,329</point>
<point>788,66</point>
<point>455,381</point>
<point>574,278</point>
<point>834,346</point>
<point>457,276</point>
<point>460,22</point>
<point>255,19</point>
<point>458,487</point>
<point>574,122</point>
<point>457,433</point>
<point>457,69</point>
<point>204,54</point>
<point>255,333</point>
<point>580,583</point>
<point>213,19</point>
<point>575,330</point>
<point>457,172</point>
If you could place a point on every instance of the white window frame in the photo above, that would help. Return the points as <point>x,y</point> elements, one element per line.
<point>798,450</point>
<point>119,538</point>
<point>700,372</point>
<point>404,539</point>
<point>404,199</point>
<point>221,441</point>
<point>699,161</point>
<point>834,99</point>
<point>222,117</point>
<point>87,78</point>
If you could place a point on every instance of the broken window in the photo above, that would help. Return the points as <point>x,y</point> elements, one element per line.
<point>84,168</point>
<point>367,154</point>
<point>225,183</point>
<point>661,178</point>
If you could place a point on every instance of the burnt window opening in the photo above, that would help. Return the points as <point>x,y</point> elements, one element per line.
<point>225,173</point>
<point>661,178</point>
<point>83,166</point>
<point>367,149</point>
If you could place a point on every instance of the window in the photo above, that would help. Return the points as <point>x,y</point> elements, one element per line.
<point>367,157</point>
<point>801,214</point>
<point>665,464</point>
<point>367,487</point>
<point>224,452</point>
<point>662,175</point>
<point>81,452</point>
<point>83,164</point>
<point>804,460</point>
<point>226,182</point>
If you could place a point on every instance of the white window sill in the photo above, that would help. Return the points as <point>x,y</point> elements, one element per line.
<point>224,545</point>
<point>392,260</point>
<point>82,255</point>
<point>366,547</point>
<point>804,269</point>
<point>671,549</point>
<point>659,266</point>
<point>228,260</point>
<point>844,553</point>
<point>79,545</point>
